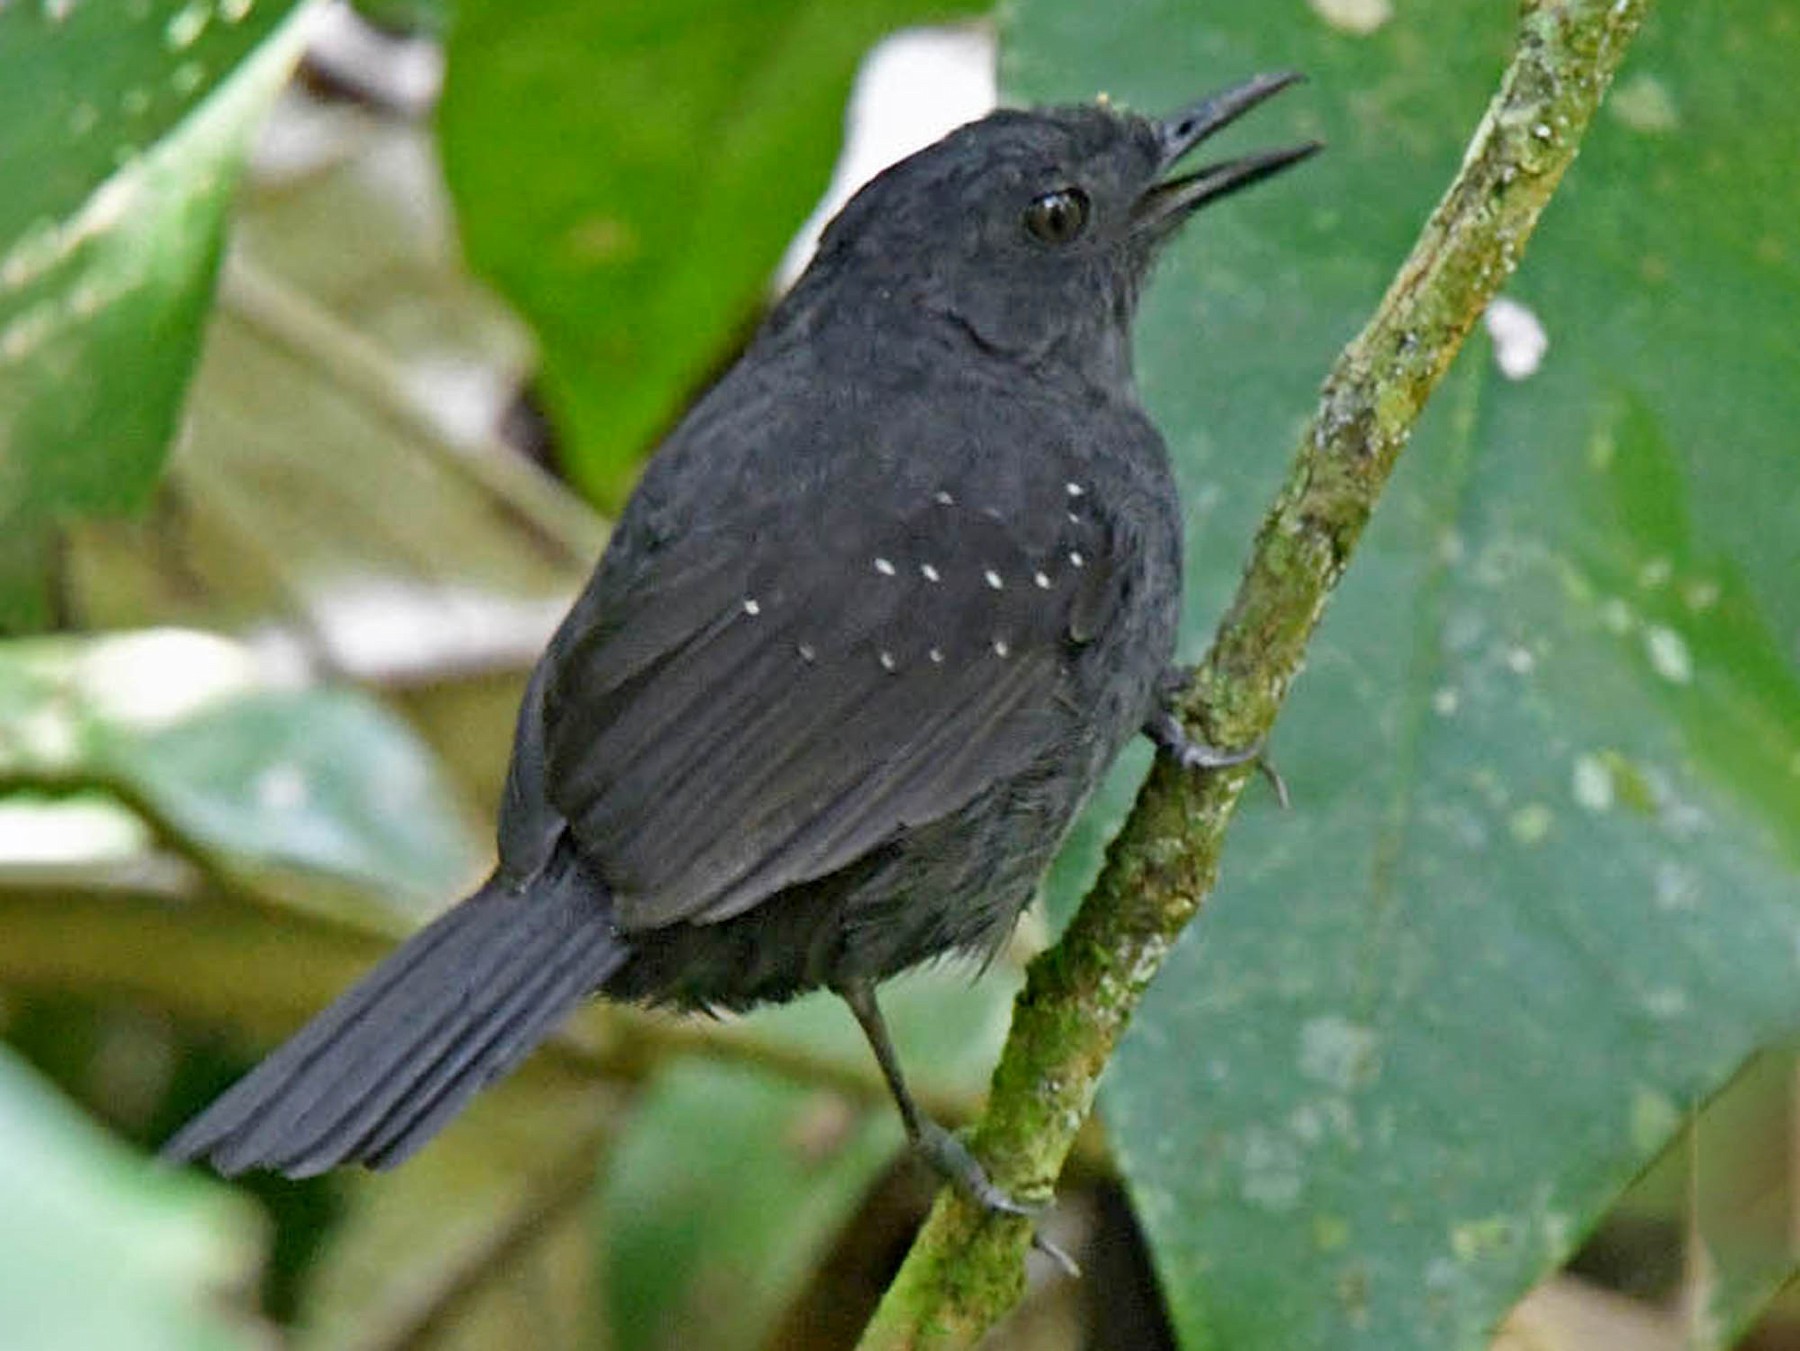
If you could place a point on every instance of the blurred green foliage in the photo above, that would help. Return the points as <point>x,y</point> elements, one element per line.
<point>121,139</point>
<point>101,1248</point>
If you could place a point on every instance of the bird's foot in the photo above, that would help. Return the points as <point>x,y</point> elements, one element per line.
<point>1165,729</point>
<point>950,1158</point>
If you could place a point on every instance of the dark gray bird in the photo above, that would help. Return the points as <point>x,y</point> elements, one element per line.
<point>880,613</point>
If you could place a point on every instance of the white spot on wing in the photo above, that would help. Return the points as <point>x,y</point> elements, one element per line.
<point>943,499</point>
<point>752,606</point>
<point>993,579</point>
<point>937,657</point>
<point>885,568</point>
<point>806,651</point>
<point>1001,648</point>
<point>1042,579</point>
<point>930,573</point>
<point>1076,560</point>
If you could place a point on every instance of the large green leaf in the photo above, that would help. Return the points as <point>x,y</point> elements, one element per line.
<point>631,173</point>
<point>1538,893</point>
<point>120,129</point>
<point>102,1249</point>
<point>182,724</point>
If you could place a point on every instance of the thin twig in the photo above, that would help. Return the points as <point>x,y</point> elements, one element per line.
<point>967,1267</point>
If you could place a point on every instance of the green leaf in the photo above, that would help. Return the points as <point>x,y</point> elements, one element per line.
<point>631,174</point>
<point>121,128</point>
<point>100,1248</point>
<point>1538,893</point>
<point>722,1196</point>
<point>178,722</point>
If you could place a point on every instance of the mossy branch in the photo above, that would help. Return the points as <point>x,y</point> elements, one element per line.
<point>967,1267</point>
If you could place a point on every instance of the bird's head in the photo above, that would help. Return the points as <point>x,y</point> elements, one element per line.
<point>1032,231</point>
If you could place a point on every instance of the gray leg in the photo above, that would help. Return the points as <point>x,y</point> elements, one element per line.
<point>947,1155</point>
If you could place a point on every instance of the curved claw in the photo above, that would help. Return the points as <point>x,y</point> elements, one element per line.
<point>950,1158</point>
<point>1166,731</point>
<point>1267,768</point>
<point>1198,755</point>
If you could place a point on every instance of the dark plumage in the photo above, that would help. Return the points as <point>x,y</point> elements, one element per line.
<point>881,612</point>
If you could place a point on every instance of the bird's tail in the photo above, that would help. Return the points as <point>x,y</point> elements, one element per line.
<point>382,1070</point>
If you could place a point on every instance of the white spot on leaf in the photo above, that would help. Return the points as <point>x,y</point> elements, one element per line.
<point>1531,823</point>
<point>1519,338</point>
<point>1592,783</point>
<point>1654,1118</point>
<point>1360,17</point>
<point>186,25</point>
<point>281,788</point>
<point>1644,104</point>
<point>1271,1167</point>
<point>1668,653</point>
<point>1674,887</point>
<point>1337,1052</point>
<point>1700,595</point>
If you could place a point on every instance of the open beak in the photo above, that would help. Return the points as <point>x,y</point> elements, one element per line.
<point>1170,201</point>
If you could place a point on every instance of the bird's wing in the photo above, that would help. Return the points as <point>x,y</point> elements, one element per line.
<point>779,695</point>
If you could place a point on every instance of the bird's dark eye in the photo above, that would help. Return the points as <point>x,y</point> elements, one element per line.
<point>1058,217</point>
